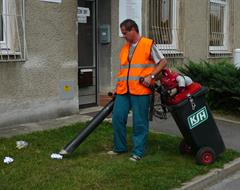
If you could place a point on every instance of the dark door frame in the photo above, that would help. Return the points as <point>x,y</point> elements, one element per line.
<point>94,66</point>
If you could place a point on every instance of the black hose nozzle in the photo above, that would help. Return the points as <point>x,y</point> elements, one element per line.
<point>144,83</point>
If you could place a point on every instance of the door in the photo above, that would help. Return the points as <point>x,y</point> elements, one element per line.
<point>87,69</point>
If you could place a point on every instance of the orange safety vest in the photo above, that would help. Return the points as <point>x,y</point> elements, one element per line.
<point>140,65</point>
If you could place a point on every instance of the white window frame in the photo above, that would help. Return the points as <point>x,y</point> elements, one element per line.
<point>6,43</point>
<point>225,46</point>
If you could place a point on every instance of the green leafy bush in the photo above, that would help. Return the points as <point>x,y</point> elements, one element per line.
<point>223,80</point>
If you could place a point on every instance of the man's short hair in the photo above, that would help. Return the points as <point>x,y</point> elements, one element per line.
<point>129,24</point>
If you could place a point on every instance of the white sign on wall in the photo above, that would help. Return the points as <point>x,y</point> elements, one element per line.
<point>131,9</point>
<point>53,1</point>
<point>82,14</point>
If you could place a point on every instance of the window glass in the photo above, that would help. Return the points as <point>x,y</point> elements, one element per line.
<point>1,20</point>
<point>164,26</point>
<point>218,25</point>
<point>12,37</point>
<point>162,21</point>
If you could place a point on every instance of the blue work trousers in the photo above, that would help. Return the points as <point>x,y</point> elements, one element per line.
<point>140,110</point>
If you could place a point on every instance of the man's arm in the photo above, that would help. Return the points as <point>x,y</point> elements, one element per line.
<point>160,61</point>
<point>158,68</point>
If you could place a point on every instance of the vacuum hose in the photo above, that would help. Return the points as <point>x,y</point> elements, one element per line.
<point>94,123</point>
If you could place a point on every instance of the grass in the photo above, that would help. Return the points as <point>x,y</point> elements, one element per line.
<point>89,167</point>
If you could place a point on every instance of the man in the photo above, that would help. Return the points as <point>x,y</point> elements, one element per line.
<point>139,57</point>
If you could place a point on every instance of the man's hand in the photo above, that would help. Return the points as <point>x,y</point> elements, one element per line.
<point>112,94</point>
<point>148,79</point>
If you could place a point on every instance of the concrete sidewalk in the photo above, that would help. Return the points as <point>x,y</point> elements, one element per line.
<point>83,116</point>
<point>229,130</point>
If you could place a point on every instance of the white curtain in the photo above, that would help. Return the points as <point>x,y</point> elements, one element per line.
<point>13,34</point>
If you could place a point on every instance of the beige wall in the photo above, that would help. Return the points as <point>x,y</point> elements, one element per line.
<point>30,90</point>
<point>116,40</point>
<point>236,39</point>
<point>194,27</point>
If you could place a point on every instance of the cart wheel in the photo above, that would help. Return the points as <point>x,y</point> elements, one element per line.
<point>205,156</point>
<point>184,147</point>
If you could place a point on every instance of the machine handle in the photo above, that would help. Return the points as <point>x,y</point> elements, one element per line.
<point>150,86</point>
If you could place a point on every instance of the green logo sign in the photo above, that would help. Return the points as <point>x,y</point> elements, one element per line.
<point>197,118</point>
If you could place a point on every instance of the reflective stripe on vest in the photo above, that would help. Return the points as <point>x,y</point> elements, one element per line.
<point>150,65</point>
<point>125,78</point>
<point>140,65</point>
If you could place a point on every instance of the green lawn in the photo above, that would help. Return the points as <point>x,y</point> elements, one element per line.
<point>89,167</point>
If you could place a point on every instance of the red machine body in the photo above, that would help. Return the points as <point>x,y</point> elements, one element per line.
<point>169,81</point>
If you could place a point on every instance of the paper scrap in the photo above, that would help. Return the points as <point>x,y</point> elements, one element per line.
<point>21,144</point>
<point>56,156</point>
<point>8,160</point>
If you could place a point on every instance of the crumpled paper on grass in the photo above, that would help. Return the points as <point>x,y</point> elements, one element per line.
<point>56,156</point>
<point>8,160</point>
<point>21,144</point>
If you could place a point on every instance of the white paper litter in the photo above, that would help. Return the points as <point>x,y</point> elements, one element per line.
<point>56,156</point>
<point>21,144</point>
<point>8,160</point>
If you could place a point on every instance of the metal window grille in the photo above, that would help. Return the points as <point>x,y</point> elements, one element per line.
<point>219,28</point>
<point>12,31</point>
<point>164,27</point>
<point>216,25</point>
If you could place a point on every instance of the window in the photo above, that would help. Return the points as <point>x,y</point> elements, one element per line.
<point>12,38</point>
<point>164,27</point>
<point>219,26</point>
<point>1,20</point>
<point>5,33</point>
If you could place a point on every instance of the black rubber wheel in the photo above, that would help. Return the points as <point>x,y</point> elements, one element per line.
<point>184,147</point>
<point>205,156</point>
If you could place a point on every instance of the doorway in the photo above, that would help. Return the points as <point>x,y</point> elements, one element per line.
<point>87,54</point>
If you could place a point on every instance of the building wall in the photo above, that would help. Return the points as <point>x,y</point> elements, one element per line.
<point>30,90</point>
<point>195,29</point>
<point>117,42</point>
<point>104,50</point>
<point>236,24</point>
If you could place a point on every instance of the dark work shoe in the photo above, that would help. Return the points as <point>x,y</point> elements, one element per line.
<point>135,158</point>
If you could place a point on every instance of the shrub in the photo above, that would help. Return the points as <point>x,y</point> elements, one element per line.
<point>222,79</point>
